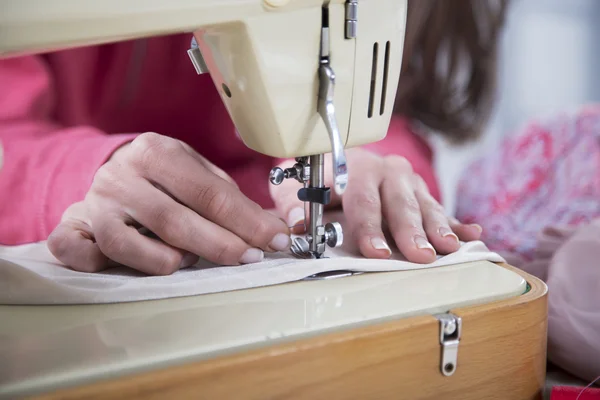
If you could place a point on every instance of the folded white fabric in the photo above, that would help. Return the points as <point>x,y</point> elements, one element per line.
<point>29,274</point>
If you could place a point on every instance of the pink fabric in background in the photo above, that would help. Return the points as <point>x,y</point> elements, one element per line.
<point>538,199</point>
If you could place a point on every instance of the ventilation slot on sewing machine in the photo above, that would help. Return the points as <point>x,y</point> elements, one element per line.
<point>386,67</point>
<point>373,79</point>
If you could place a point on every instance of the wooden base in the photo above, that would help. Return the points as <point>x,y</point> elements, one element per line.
<point>502,355</point>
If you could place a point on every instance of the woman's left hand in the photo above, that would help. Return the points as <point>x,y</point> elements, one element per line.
<point>384,192</point>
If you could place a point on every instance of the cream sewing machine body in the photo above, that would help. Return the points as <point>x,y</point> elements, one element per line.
<point>300,78</point>
<point>263,56</point>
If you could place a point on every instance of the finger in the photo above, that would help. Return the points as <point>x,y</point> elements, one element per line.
<point>210,166</point>
<point>210,196</point>
<point>435,221</point>
<point>403,214</point>
<point>72,243</point>
<point>184,229</point>
<point>125,245</point>
<point>465,232</point>
<point>362,210</point>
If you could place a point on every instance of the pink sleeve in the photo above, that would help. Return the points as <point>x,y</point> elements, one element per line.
<point>403,141</point>
<point>46,167</point>
<point>574,303</point>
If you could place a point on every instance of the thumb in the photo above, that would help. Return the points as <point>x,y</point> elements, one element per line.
<point>285,197</point>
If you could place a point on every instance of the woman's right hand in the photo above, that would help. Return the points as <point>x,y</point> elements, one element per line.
<point>161,184</point>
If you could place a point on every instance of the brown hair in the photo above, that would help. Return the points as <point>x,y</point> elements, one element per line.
<point>448,71</point>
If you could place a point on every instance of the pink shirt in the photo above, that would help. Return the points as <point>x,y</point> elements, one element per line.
<point>63,114</point>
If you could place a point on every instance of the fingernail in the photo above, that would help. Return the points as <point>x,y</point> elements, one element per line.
<point>295,217</point>
<point>446,232</point>
<point>380,244</point>
<point>424,244</point>
<point>478,227</point>
<point>252,256</point>
<point>280,242</point>
<point>188,260</point>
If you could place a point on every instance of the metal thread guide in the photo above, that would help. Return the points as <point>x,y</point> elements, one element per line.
<point>310,170</point>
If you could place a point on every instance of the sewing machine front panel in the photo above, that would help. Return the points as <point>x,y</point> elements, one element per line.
<point>379,53</point>
<point>43,348</point>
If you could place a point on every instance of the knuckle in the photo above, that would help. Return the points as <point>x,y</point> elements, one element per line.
<point>399,164</point>
<point>144,147</point>
<point>227,254</point>
<point>368,201</point>
<point>147,140</point>
<point>108,182</point>
<point>74,211</point>
<point>169,263</point>
<point>105,178</point>
<point>217,203</point>
<point>366,227</point>
<point>150,147</point>
<point>58,243</point>
<point>436,207</point>
<point>431,205</point>
<point>419,182</point>
<point>261,232</point>
<point>167,225</point>
<point>411,205</point>
<point>113,245</point>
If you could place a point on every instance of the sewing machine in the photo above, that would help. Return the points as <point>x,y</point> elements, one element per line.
<point>300,78</point>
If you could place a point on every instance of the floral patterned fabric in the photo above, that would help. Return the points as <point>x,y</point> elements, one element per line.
<point>548,174</point>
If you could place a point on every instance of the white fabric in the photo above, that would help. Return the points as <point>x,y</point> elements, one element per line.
<point>29,274</point>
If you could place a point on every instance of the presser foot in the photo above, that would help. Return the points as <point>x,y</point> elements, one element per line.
<point>301,246</point>
<point>309,171</point>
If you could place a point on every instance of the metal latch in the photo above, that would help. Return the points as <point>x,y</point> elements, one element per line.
<point>450,331</point>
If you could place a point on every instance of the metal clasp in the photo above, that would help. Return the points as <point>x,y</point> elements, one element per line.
<point>450,331</point>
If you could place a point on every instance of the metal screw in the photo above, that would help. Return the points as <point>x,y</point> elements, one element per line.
<point>450,327</point>
<point>276,176</point>
<point>334,235</point>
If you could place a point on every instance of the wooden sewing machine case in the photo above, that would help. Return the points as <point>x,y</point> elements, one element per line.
<point>471,331</point>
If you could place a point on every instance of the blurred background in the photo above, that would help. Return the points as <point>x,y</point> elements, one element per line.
<point>549,60</point>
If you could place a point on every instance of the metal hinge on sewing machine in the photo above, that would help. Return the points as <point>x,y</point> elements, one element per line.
<point>351,18</point>
<point>450,331</point>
